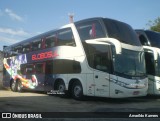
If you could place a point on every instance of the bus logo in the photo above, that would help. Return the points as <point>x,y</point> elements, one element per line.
<point>44,55</point>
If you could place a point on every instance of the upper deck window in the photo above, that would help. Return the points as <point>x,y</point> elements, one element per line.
<point>64,37</point>
<point>50,41</point>
<point>17,50</point>
<point>36,45</point>
<point>26,47</point>
<point>90,30</point>
<point>122,32</point>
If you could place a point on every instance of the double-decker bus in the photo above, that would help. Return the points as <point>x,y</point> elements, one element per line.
<point>93,57</point>
<point>151,43</point>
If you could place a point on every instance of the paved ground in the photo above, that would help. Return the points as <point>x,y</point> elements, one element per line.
<point>40,102</point>
<point>33,102</point>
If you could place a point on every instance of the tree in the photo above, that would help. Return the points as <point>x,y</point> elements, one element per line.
<point>154,25</point>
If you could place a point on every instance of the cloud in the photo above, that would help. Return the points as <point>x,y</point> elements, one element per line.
<point>8,40</point>
<point>13,15</point>
<point>13,32</point>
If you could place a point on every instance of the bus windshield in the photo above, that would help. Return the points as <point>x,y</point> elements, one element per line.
<point>129,63</point>
<point>121,31</point>
<point>154,38</point>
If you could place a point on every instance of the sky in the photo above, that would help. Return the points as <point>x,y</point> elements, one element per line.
<point>22,19</point>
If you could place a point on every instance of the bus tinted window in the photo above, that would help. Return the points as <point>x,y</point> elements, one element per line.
<point>39,68</point>
<point>98,57</point>
<point>121,31</point>
<point>49,67</point>
<point>30,69</point>
<point>65,37</point>
<point>17,49</point>
<point>150,67</point>
<point>66,66</point>
<point>90,30</point>
<point>50,41</point>
<point>26,48</point>
<point>62,67</point>
<point>36,45</point>
<point>154,38</point>
<point>23,69</point>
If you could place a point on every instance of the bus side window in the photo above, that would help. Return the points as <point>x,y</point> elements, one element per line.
<point>99,58</point>
<point>50,41</point>
<point>17,49</point>
<point>26,48</point>
<point>65,37</point>
<point>150,66</point>
<point>37,45</point>
<point>29,69</point>
<point>39,68</point>
<point>64,66</point>
<point>49,67</point>
<point>23,69</point>
<point>90,30</point>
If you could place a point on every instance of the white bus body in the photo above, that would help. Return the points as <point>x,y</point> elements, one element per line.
<point>151,45</point>
<point>102,65</point>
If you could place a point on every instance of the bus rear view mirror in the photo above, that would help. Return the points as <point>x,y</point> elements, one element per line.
<point>107,41</point>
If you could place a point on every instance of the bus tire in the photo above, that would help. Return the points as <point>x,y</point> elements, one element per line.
<point>13,86</point>
<point>61,88</point>
<point>19,86</point>
<point>77,91</point>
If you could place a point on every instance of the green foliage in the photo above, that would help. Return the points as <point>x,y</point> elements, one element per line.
<point>154,25</point>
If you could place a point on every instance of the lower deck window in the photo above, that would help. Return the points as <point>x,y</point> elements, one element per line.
<point>63,67</point>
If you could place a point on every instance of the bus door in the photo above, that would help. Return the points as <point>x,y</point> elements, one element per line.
<point>40,75</point>
<point>49,80</point>
<point>101,83</point>
<point>150,69</point>
<point>102,66</point>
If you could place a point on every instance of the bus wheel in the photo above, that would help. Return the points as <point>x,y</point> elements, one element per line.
<point>77,91</point>
<point>13,86</point>
<point>61,88</point>
<point>19,86</point>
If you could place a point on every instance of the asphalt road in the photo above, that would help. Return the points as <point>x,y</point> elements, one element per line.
<point>41,102</point>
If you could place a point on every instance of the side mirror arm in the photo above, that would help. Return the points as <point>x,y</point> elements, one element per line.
<point>107,41</point>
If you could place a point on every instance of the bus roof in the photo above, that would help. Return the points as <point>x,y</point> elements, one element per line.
<point>32,38</point>
<point>49,32</point>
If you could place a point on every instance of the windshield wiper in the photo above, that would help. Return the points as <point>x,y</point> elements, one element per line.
<point>140,74</point>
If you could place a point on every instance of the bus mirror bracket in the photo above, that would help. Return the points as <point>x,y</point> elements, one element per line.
<point>155,52</point>
<point>107,41</point>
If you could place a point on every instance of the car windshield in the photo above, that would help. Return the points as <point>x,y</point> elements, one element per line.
<point>129,63</point>
<point>154,38</point>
